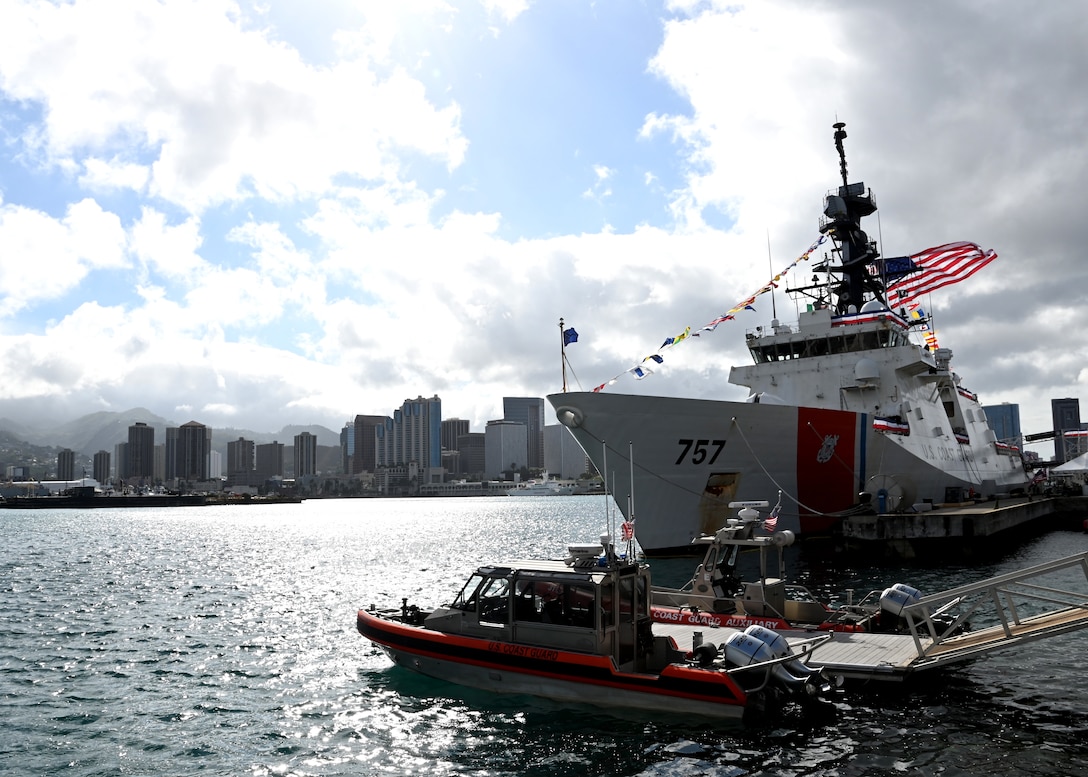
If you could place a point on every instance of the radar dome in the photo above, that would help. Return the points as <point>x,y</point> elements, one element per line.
<point>866,371</point>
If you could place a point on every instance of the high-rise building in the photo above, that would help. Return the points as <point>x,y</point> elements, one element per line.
<point>504,447</point>
<point>412,435</point>
<point>102,466</point>
<point>141,451</point>
<point>194,445</point>
<point>452,428</point>
<point>1066,415</point>
<point>528,411</point>
<point>66,464</point>
<point>563,456</point>
<point>120,455</point>
<point>1004,419</point>
<point>270,460</point>
<point>364,446</point>
<point>472,447</point>
<point>170,455</point>
<point>305,454</point>
<point>215,464</point>
<point>240,457</point>
<point>347,447</point>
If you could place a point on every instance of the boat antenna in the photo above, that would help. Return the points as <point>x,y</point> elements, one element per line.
<point>840,136</point>
<point>631,495</point>
<point>609,517</point>
<point>563,353</point>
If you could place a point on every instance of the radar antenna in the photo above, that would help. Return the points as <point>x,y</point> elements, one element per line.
<point>840,136</point>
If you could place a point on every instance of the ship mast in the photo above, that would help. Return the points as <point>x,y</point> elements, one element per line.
<point>843,212</point>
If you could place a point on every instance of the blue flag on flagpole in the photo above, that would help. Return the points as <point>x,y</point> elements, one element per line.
<point>569,336</point>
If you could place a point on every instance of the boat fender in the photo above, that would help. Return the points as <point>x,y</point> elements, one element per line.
<point>783,538</point>
<point>705,654</point>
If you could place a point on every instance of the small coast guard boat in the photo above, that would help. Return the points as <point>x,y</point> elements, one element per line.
<point>717,596</point>
<point>580,630</point>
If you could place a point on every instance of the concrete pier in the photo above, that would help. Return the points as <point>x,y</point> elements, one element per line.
<point>962,529</point>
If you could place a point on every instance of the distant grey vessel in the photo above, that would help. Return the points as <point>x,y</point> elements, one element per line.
<point>542,487</point>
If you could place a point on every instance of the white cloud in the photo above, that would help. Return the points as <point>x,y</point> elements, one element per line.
<point>42,258</point>
<point>106,175</point>
<point>508,10</point>
<point>218,109</point>
<point>170,251</point>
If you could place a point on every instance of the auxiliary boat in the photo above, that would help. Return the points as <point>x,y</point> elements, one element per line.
<point>891,634</point>
<point>717,596</point>
<point>855,398</point>
<point>580,630</point>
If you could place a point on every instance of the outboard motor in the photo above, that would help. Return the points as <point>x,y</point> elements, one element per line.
<point>747,648</point>
<point>779,647</point>
<point>897,598</point>
<point>892,603</point>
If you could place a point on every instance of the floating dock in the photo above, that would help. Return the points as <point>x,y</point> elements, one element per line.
<point>1012,609</point>
<point>962,529</point>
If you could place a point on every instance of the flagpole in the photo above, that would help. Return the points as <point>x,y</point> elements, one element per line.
<point>770,264</point>
<point>563,353</point>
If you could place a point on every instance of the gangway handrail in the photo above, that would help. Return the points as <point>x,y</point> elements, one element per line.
<point>1022,574</point>
<point>928,635</point>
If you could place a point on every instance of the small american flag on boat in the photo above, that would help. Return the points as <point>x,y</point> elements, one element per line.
<point>771,521</point>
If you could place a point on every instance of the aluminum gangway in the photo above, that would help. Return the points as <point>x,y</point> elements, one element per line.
<point>1011,602</point>
<point>1011,609</point>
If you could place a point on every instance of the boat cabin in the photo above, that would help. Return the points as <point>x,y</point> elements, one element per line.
<point>590,604</point>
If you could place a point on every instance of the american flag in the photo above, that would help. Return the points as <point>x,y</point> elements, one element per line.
<point>627,530</point>
<point>772,520</point>
<point>1040,476</point>
<point>939,267</point>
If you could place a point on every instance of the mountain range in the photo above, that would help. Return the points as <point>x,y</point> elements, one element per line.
<point>91,433</point>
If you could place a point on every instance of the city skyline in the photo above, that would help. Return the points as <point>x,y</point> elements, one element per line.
<point>414,432</point>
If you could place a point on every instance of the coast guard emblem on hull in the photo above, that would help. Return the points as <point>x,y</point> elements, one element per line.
<point>827,450</point>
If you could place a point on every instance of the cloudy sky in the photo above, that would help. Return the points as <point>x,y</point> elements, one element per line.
<point>259,213</point>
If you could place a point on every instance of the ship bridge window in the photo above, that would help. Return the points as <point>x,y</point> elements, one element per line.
<point>779,352</point>
<point>815,347</point>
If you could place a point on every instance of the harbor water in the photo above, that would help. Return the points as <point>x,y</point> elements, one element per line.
<point>221,640</point>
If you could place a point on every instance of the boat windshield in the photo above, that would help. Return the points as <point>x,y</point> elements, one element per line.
<point>487,583</point>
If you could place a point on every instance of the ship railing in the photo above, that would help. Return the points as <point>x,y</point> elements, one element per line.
<point>1033,603</point>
